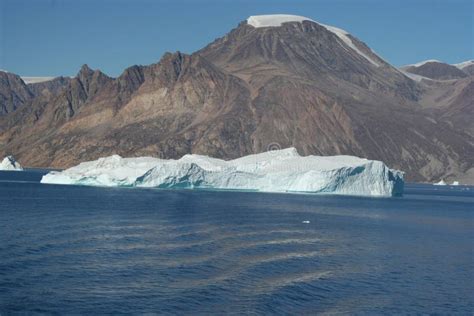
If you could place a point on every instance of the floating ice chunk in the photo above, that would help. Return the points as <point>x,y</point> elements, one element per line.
<point>455,183</point>
<point>9,163</point>
<point>440,182</point>
<point>305,222</point>
<point>276,171</point>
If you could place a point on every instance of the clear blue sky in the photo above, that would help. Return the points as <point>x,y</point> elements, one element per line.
<point>55,37</point>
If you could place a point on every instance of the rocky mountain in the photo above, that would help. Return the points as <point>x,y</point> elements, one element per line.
<point>52,86</point>
<point>467,67</point>
<point>13,92</point>
<point>436,70</point>
<point>272,82</point>
<point>16,91</point>
<point>447,91</point>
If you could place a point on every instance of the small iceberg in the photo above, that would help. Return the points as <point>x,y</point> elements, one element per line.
<point>455,183</point>
<point>274,171</point>
<point>440,183</point>
<point>10,164</point>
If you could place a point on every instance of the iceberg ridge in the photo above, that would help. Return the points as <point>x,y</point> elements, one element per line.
<point>275,171</point>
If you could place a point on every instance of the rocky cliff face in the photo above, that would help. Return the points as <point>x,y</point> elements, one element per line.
<point>300,85</point>
<point>49,87</point>
<point>13,92</point>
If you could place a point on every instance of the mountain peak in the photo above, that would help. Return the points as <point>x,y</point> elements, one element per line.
<point>424,62</point>
<point>277,20</point>
<point>85,69</point>
<point>435,70</point>
<point>85,73</point>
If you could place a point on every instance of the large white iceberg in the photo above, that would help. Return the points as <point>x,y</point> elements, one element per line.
<point>9,163</point>
<point>275,171</point>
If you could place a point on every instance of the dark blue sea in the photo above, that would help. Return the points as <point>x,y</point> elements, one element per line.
<point>88,250</point>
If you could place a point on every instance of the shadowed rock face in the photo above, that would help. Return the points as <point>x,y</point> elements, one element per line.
<point>13,92</point>
<point>297,85</point>
<point>437,71</point>
<point>49,87</point>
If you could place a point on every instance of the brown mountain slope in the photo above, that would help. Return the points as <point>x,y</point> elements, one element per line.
<point>295,85</point>
<point>164,109</point>
<point>451,101</point>
<point>307,50</point>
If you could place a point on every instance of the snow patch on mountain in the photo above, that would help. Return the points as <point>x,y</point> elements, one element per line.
<point>9,163</point>
<point>276,171</point>
<point>415,77</point>
<point>344,36</point>
<point>421,63</point>
<point>29,80</point>
<point>275,20</point>
<point>464,64</point>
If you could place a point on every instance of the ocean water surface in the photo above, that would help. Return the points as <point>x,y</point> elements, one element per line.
<point>88,250</point>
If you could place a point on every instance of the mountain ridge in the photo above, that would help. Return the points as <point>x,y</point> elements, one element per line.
<point>295,85</point>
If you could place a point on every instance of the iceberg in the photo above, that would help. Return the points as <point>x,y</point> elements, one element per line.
<point>108,171</point>
<point>441,182</point>
<point>9,163</point>
<point>455,183</point>
<point>274,171</point>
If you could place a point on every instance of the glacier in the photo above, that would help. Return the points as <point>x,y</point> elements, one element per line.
<point>273,171</point>
<point>10,164</point>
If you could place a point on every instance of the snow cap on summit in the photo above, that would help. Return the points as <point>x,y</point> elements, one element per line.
<point>274,19</point>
